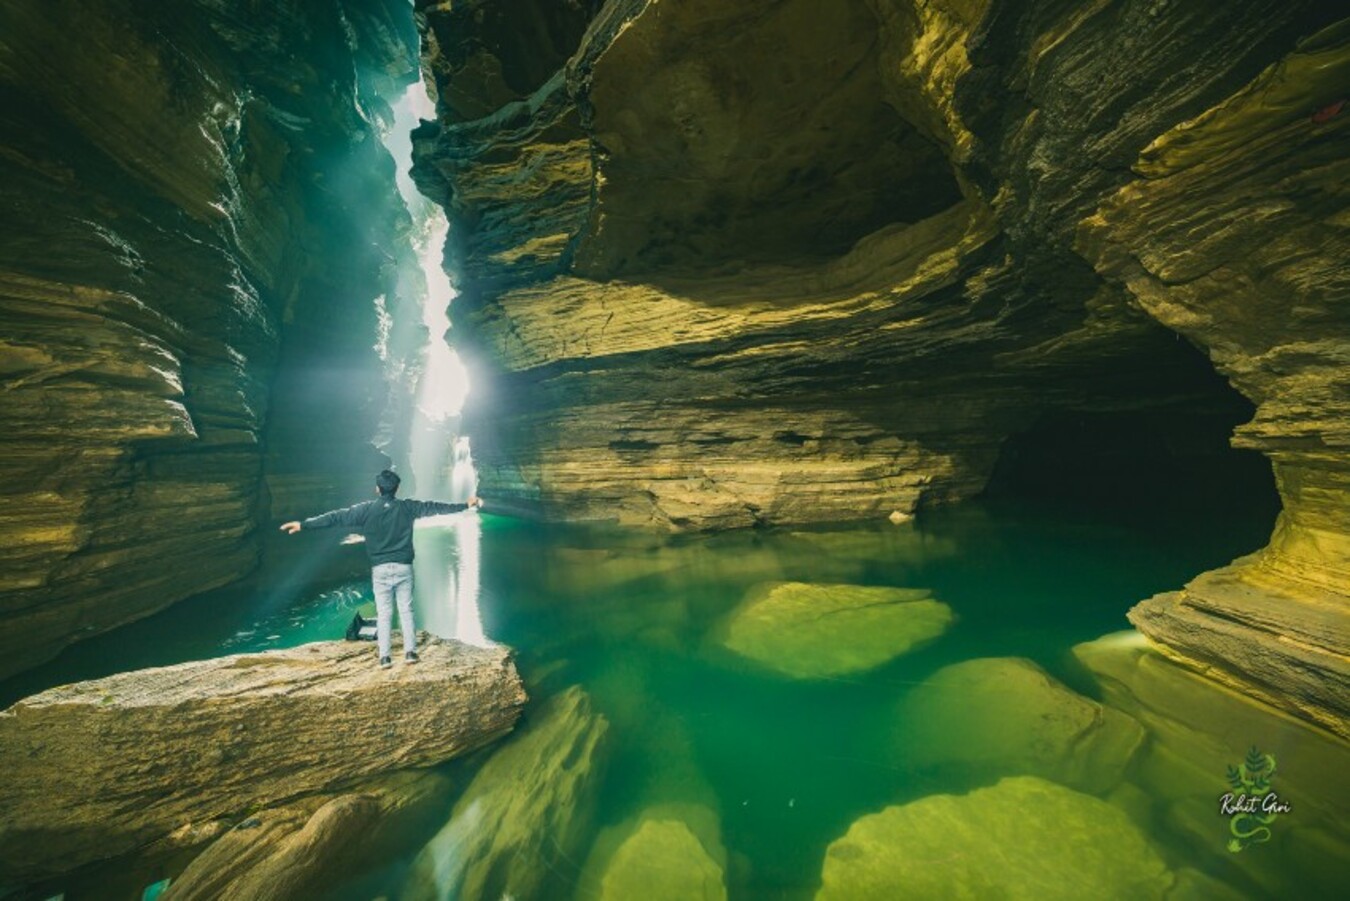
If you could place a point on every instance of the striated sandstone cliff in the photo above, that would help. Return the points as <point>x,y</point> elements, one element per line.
<point>729,264</point>
<point>1235,235</point>
<point>725,264</point>
<point>196,216</point>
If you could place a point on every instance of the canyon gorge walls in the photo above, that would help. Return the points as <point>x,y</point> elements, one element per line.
<point>783,261</point>
<point>720,265</point>
<point>197,217</point>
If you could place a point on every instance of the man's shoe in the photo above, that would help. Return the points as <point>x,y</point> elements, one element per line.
<point>385,663</point>
<point>411,657</point>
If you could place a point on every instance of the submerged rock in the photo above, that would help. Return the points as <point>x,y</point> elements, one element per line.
<point>662,858</point>
<point>523,818</point>
<point>1007,716</point>
<point>671,847</point>
<point>1197,728</point>
<point>817,631</point>
<point>98,768</point>
<point>296,851</point>
<point>1024,838</point>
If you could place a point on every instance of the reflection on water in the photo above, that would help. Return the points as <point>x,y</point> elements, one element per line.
<point>763,783</point>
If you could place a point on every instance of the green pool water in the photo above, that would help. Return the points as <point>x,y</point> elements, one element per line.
<point>784,765</point>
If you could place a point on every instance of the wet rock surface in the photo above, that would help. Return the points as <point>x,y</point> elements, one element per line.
<point>299,850</point>
<point>808,631</point>
<point>1195,731</point>
<point>100,768</point>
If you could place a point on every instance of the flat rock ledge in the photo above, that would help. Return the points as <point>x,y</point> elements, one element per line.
<point>100,768</point>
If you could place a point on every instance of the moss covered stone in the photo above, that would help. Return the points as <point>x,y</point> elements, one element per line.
<point>1006,716</point>
<point>1024,838</point>
<point>526,813</point>
<point>810,631</point>
<point>663,858</point>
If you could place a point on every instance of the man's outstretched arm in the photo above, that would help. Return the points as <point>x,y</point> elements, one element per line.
<point>347,516</point>
<point>438,508</point>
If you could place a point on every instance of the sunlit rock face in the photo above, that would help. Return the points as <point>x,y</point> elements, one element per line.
<point>725,264</point>
<point>195,223</point>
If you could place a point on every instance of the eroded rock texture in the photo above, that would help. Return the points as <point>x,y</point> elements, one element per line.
<point>99,768</point>
<point>725,264</point>
<point>196,216</point>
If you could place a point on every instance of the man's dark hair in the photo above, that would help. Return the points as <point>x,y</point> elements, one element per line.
<point>387,482</point>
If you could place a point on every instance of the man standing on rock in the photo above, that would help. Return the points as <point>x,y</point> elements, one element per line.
<point>387,525</point>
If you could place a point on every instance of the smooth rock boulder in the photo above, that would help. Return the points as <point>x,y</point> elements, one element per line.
<point>1004,716</point>
<point>662,858</point>
<point>810,631</point>
<point>670,846</point>
<point>99,768</point>
<point>524,816</point>
<point>1024,838</point>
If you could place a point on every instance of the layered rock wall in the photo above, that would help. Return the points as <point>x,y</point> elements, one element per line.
<point>194,198</point>
<point>726,264</point>
<point>733,265</point>
<point>1235,236</point>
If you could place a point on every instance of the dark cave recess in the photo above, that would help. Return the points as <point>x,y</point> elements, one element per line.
<point>1164,458</point>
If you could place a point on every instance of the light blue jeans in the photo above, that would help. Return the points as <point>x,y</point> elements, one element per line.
<point>393,582</point>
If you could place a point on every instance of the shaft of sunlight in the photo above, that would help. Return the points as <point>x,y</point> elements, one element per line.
<point>447,582</point>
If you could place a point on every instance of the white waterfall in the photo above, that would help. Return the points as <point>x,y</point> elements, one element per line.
<point>463,477</point>
<point>446,578</point>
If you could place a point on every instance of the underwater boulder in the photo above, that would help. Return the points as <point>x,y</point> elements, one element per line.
<point>526,813</point>
<point>1024,838</point>
<point>298,850</point>
<point>669,852</point>
<point>670,845</point>
<point>1198,728</point>
<point>898,543</point>
<point>1005,716</point>
<point>818,631</point>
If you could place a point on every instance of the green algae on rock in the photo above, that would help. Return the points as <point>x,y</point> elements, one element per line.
<point>660,855</point>
<point>1007,716</point>
<point>996,843</point>
<point>525,814</point>
<point>672,846</point>
<point>811,631</point>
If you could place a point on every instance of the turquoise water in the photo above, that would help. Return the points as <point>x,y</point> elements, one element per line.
<point>786,765</point>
